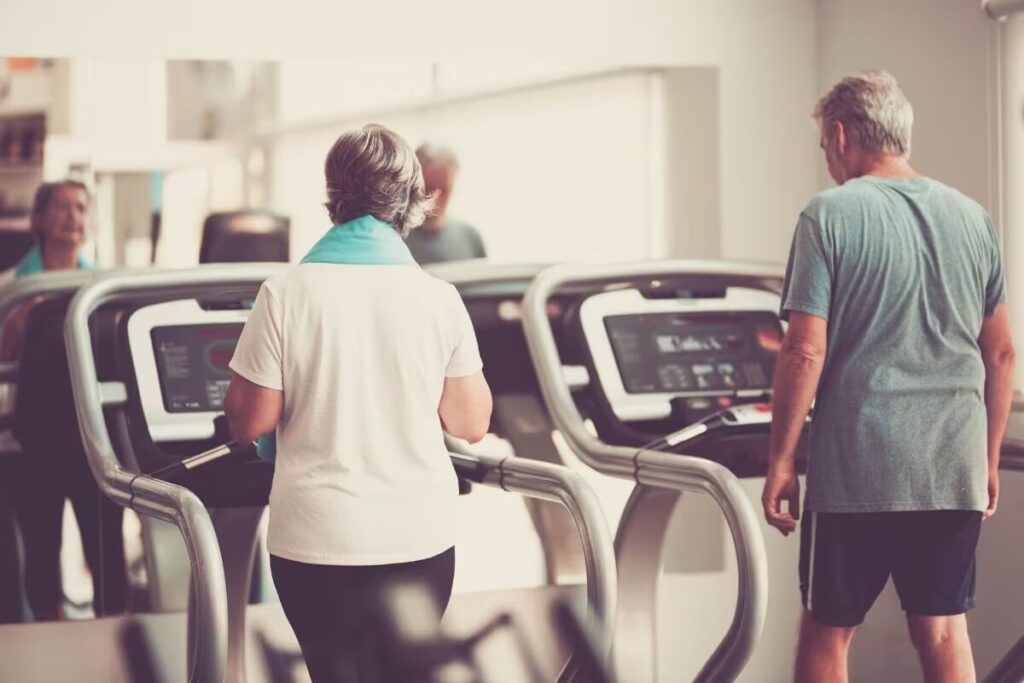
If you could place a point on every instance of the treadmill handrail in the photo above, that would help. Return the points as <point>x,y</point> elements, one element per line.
<point>1010,668</point>
<point>654,468</point>
<point>482,271</point>
<point>42,284</point>
<point>143,493</point>
<point>559,484</point>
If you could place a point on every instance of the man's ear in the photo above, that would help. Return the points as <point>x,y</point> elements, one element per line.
<point>839,135</point>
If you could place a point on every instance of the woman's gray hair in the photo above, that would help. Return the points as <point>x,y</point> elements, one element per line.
<point>873,111</point>
<point>373,171</point>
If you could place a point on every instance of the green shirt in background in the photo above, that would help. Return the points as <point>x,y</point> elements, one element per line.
<point>454,242</point>
<point>904,271</point>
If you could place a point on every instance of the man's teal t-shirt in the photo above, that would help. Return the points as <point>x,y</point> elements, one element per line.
<point>456,241</point>
<point>905,271</point>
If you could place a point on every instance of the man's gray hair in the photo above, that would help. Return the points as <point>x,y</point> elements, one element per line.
<point>373,171</point>
<point>873,111</point>
<point>431,154</point>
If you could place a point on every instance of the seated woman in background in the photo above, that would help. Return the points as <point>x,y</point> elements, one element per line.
<point>359,359</point>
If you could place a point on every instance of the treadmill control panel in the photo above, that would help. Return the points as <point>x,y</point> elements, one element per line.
<point>192,364</point>
<point>684,358</point>
<point>695,353</point>
<point>180,351</point>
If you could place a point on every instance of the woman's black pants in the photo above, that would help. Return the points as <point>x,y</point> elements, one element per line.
<point>335,612</point>
<point>51,473</point>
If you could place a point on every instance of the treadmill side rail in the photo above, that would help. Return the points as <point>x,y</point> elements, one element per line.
<point>208,611</point>
<point>635,633</point>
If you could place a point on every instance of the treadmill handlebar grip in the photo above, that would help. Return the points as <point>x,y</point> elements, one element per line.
<point>175,470</point>
<point>469,469</point>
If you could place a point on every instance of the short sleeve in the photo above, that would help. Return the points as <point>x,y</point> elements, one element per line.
<point>808,284</point>
<point>465,359</point>
<point>480,251</point>
<point>995,286</point>
<point>258,356</point>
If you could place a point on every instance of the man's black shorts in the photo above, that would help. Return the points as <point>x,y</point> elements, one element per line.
<point>847,558</point>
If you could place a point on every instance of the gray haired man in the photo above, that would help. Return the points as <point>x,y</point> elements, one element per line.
<point>899,331</point>
<point>441,238</point>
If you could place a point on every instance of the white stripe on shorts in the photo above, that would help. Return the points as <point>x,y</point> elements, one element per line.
<point>810,569</point>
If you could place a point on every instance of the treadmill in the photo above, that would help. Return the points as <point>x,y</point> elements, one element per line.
<point>149,430</point>
<point>524,414</point>
<point>678,358</point>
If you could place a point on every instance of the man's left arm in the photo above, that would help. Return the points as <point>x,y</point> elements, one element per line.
<point>797,372</point>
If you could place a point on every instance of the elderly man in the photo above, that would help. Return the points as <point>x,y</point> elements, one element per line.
<point>898,327</point>
<point>440,238</point>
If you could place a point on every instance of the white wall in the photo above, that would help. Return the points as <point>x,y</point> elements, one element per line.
<point>548,173</point>
<point>321,89</point>
<point>943,54</point>
<point>687,168</point>
<point>1012,215</point>
<point>118,101</point>
<point>558,173</point>
<point>654,31</point>
<point>764,54</point>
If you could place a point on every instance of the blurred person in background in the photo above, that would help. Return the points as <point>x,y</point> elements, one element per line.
<point>52,466</point>
<point>442,238</point>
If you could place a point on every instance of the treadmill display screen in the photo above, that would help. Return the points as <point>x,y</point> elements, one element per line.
<point>192,361</point>
<point>697,353</point>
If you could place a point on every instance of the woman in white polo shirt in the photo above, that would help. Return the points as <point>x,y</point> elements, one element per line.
<point>358,359</point>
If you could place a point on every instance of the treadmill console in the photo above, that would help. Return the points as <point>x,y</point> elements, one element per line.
<point>192,362</point>
<point>181,352</point>
<point>695,353</point>
<point>705,354</point>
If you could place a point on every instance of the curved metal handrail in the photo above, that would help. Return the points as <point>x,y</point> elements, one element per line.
<point>14,294</point>
<point>142,493</point>
<point>43,284</point>
<point>481,271</point>
<point>653,468</point>
<point>560,485</point>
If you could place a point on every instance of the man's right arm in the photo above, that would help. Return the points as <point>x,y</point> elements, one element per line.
<point>997,352</point>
